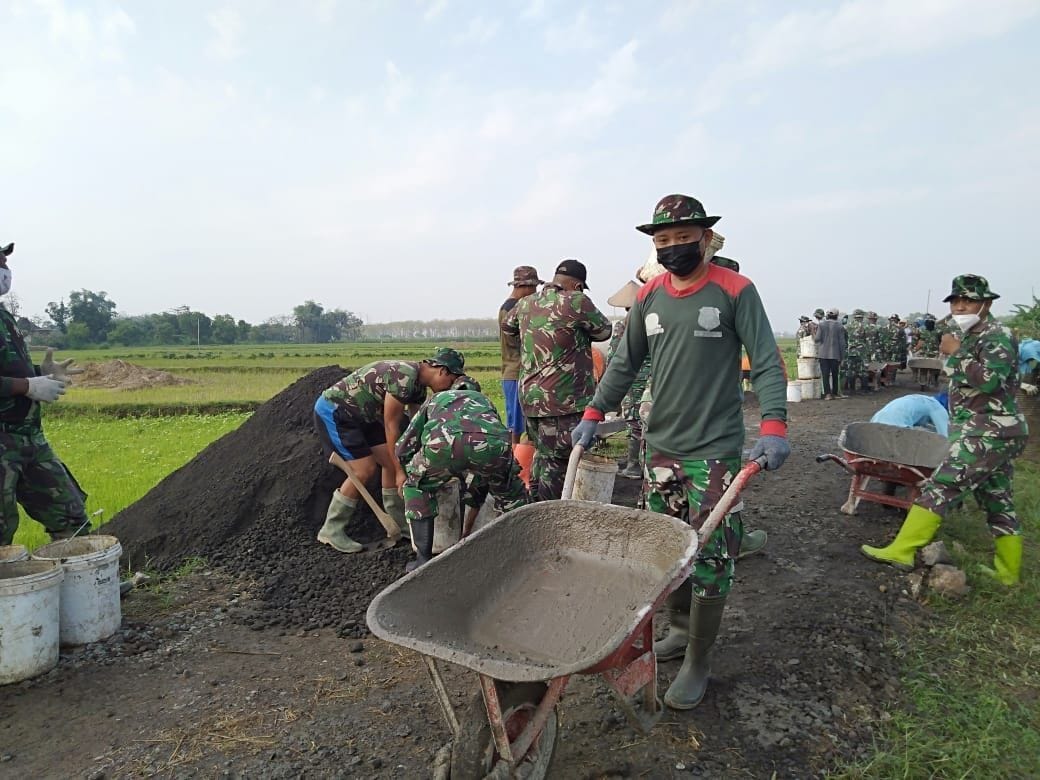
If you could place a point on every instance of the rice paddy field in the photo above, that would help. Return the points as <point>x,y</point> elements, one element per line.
<point>121,442</point>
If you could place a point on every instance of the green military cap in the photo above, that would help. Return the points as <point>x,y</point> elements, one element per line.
<point>972,287</point>
<point>871,315</point>
<point>857,313</point>
<point>448,358</point>
<point>818,313</point>
<point>673,210</point>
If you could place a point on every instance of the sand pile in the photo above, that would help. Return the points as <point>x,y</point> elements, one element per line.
<point>120,375</point>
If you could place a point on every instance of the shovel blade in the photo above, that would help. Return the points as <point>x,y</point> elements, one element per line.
<point>381,544</point>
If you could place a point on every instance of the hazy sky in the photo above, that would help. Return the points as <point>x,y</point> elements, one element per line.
<point>398,159</point>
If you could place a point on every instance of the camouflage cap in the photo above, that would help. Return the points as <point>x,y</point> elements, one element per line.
<point>466,382</point>
<point>726,262</point>
<point>818,313</point>
<point>871,315</point>
<point>672,210</point>
<point>803,318</point>
<point>895,318</point>
<point>525,276</point>
<point>448,358</point>
<point>857,312</point>
<point>972,287</point>
<point>7,251</point>
<point>928,317</point>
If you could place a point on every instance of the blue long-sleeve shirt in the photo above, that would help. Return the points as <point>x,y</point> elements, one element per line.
<point>1028,349</point>
<point>915,411</point>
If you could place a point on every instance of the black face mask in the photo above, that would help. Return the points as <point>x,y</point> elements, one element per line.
<point>680,259</point>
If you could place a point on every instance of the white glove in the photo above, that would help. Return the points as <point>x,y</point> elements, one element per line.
<point>61,369</point>
<point>1029,389</point>
<point>45,388</point>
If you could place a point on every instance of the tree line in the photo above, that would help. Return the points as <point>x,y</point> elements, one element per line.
<point>87,318</point>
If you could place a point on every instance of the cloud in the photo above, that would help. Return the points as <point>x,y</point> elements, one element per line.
<point>555,190</point>
<point>533,10</point>
<point>325,10</point>
<point>613,89</point>
<point>65,26</point>
<point>434,9</point>
<point>227,24</point>
<point>577,35</point>
<point>479,30</point>
<point>398,88</point>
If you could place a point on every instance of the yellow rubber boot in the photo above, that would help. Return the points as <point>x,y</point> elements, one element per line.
<point>1007,560</point>
<point>918,529</point>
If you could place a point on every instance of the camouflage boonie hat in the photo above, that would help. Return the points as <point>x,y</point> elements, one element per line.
<point>525,276</point>
<point>466,382</point>
<point>726,262</point>
<point>803,318</point>
<point>972,287</point>
<point>818,313</point>
<point>857,313</point>
<point>448,358</point>
<point>928,317</point>
<point>894,318</point>
<point>672,210</point>
<point>871,315</point>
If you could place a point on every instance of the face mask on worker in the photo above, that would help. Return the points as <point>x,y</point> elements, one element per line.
<point>680,259</point>
<point>966,321</point>
<point>5,281</point>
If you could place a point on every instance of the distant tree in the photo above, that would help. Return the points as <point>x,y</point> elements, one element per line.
<point>224,329</point>
<point>77,336</point>
<point>13,304</point>
<point>94,310</point>
<point>130,332</point>
<point>59,314</point>
<point>243,329</point>
<point>309,320</point>
<point>343,325</point>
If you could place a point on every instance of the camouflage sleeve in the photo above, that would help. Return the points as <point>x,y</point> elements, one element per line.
<point>510,324</point>
<point>622,370</point>
<point>986,365</point>
<point>592,319</point>
<point>615,339</point>
<point>411,442</point>
<point>768,375</point>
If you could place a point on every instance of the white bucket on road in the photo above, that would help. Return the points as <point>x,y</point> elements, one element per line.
<point>808,368</point>
<point>447,528</point>
<point>807,347</point>
<point>30,597</point>
<point>594,479</point>
<point>810,389</point>
<point>90,609</point>
<point>9,553</point>
<point>794,392</point>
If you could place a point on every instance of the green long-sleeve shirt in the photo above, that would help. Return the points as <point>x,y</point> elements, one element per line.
<point>694,337</point>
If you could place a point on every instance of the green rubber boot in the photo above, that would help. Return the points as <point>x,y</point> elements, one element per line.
<point>334,532</point>
<point>393,503</point>
<point>917,530</point>
<point>690,685</point>
<point>753,542</point>
<point>674,643</point>
<point>634,469</point>
<point>422,542</point>
<point>1007,560</point>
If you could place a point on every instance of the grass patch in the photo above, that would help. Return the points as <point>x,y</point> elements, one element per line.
<point>972,674</point>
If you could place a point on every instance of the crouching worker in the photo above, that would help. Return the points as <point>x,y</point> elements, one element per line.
<point>987,433</point>
<point>457,432</point>
<point>358,415</point>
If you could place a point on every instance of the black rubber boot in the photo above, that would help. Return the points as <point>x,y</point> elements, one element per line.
<point>422,541</point>
<point>678,605</point>
<point>690,685</point>
<point>634,468</point>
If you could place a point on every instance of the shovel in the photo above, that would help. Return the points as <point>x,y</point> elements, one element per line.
<point>393,533</point>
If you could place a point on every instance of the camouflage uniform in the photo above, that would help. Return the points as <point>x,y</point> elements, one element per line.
<point>872,332</point>
<point>630,403</point>
<point>896,340</point>
<point>458,432</point>
<point>987,431</point>
<point>856,357</point>
<point>32,474</point>
<point>927,344</point>
<point>805,328</point>
<point>556,329</point>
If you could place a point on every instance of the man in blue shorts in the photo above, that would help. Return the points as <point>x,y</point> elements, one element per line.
<point>525,282</point>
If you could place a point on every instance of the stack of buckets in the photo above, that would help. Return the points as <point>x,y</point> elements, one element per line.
<point>807,386</point>
<point>66,593</point>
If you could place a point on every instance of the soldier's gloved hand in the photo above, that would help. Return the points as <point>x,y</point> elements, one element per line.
<point>1029,389</point>
<point>774,448</point>
<point>45,388</point>
<point>59,369</point>
<point>584,433</point>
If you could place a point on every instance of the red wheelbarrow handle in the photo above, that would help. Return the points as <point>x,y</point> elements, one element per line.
<point>729,498</point>
<point>840,461</point>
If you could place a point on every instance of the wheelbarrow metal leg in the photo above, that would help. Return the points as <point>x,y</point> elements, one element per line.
<point>857,484</point>
<point>441,692</point>
<point>638,676</point>
<point>513,752</point>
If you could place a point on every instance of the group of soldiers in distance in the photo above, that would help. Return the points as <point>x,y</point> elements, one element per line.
<point>885,343</point>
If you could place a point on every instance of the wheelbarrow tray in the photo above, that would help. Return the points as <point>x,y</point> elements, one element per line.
<point>547,590</point>
<point>926,364</point>
<point>894,445</point>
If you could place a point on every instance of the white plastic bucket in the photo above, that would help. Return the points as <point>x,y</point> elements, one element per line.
<point>794,392</point>
<point>806,347</point>
<point>594,479</point>
<point>447,528</point>
<point>9,553</point>
<point>808,368</point>
<point>90,609</point>
<point>810,389</point>
<point>30,596</point>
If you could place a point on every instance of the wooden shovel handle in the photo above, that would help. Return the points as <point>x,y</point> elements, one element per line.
<point>388,523</point>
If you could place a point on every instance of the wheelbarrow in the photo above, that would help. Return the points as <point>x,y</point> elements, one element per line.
<point>925,371</point>
<point>894,455</point>
<point>547,591</point>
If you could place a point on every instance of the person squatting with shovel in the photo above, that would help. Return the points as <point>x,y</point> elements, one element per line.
<point>31,474</point>
<point>358,415</point>
<point>456,434</point>
<point>987,432</point>
<point>693,322</point>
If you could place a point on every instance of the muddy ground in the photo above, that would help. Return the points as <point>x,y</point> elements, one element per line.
<point>208,679</point>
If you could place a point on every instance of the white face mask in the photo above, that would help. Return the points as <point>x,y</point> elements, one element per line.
<point>966,321</point>
<point>5,281</point>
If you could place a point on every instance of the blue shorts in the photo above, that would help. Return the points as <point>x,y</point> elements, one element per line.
<point>514,414</point>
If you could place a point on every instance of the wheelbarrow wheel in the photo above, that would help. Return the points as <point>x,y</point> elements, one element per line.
<point>473,753</point>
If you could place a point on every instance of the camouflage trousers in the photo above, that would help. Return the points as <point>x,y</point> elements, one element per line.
<point>488,462</point>
<point>33,476</point>
<point>982,466</point>
<point>689,489</point>
<point>551,437</point>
